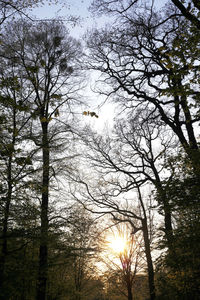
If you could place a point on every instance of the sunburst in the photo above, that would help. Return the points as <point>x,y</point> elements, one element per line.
<point>117,244</point>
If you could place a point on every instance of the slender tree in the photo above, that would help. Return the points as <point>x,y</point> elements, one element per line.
<point>48,58</point>
<point>16,162</point>
<point>125,259</point>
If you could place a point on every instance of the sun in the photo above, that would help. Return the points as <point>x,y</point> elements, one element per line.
<point>117,244</point>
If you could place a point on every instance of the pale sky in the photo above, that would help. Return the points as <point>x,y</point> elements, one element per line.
<point>77,8</point>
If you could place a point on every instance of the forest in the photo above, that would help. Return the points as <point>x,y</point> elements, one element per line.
<point>100,214</point>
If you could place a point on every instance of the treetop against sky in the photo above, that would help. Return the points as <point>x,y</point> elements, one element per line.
<point>80,9</point>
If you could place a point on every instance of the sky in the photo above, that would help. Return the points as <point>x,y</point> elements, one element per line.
<point>77,8</point>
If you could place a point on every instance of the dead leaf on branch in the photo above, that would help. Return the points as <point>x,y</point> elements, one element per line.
<point>90,113</point>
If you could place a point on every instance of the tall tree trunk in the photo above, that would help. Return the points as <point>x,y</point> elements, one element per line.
<point>167,211</point>
<point>4,249</point>
<point>167,216</point>
<point>149,259</point>
<point>43,254</point>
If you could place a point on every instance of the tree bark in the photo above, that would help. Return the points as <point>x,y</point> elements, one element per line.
<point>168,224</point>
<point>167,215</point>
<point>43,252</point>
<point>149,259</point>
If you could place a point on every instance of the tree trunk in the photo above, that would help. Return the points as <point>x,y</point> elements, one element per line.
<point>130,296</point>
<point>43,254</point>
<point>4,249</point>
<point>163,200</point>
<point>168,224</point>
<point>149,259</point>
<point>167,217</point>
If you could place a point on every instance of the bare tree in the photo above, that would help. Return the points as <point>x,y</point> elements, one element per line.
<point>134,159</point>
<point>150,146</point>
<point>189,9</point>
<point>146,61</point>
<point>109,185</point>
<point>125,262</point>
<point>105,205</point>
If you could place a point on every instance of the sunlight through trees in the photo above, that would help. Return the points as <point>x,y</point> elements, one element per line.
<point>90,211</point>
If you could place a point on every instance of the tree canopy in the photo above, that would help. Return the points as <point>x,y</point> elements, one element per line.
<point>65,185</point>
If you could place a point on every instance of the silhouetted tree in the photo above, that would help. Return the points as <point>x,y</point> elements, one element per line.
<point>48,61</point>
